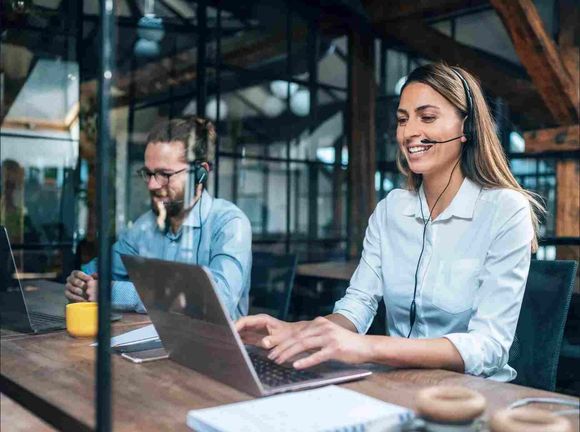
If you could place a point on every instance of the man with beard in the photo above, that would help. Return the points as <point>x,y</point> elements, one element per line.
<point>185,223</point>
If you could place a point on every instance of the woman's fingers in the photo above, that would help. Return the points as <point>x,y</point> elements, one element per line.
<point>313,329</point>
<point>318,357</point>
<point>261,322</point>
<point>280,334</point>
<point>302,345</point>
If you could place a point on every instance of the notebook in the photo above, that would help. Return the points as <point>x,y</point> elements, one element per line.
<point>143,334</point>
<point>328,408</point>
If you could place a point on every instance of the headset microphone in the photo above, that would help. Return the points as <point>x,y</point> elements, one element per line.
<point>428,141</point>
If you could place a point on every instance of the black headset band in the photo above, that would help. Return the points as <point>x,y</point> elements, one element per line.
<point>467,92</point>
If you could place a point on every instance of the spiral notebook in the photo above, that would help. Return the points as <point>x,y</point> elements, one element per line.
<point>329,408</point>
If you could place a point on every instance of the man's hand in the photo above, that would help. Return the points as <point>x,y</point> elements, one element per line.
<point>81,287</point>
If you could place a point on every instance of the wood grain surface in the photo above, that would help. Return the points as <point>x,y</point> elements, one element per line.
<point>53,376</point>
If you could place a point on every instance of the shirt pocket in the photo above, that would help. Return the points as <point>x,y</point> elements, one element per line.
<point>456,284</point>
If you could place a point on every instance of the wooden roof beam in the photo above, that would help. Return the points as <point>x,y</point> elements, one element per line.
<point>541,58</point>
<point>563,138</point>
<point>499,76</point>
<point>158,77</point>
<point>569,39</point>
<point>382,11</point>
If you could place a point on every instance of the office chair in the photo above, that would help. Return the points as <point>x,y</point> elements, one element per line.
<point>536,348</point>
<point>271,284</point>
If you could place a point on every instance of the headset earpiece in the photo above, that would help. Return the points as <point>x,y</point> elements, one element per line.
<point>200,173</point>
<point>201,176</point>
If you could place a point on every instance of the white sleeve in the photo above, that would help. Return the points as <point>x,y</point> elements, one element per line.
<point>365,291</point>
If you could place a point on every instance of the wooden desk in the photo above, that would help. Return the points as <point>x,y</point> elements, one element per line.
<point>14,418</point>
<point>53,375</point>
<point>331,270</point>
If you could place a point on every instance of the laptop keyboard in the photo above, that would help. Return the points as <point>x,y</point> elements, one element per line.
<point>275,375</point>
<point>41,320</point>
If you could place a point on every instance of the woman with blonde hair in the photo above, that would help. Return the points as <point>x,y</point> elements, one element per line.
<point>449,255</point>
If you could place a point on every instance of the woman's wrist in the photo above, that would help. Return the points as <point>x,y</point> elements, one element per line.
<point>379,349</point>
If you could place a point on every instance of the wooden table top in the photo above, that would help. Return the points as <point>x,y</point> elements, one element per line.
<point>334,270</point>
<point>53,375</point>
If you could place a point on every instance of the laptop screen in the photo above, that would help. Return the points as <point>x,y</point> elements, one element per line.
<point>8,278</point>
<point>12,306</point>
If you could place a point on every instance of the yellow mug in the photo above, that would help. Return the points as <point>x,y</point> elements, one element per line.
<point>82,319</point>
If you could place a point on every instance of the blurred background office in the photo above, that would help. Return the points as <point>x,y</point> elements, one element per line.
<point>303,95</point>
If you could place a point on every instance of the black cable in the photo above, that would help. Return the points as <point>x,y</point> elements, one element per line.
<point>200,229</point>
<point>413,307</point>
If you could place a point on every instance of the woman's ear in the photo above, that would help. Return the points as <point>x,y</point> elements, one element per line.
<point>464,137</point>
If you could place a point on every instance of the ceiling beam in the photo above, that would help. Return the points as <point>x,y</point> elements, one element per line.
<point>158,77</point>
<point>171,7</point>
<point>382,11</point>
<point>569,33</point>
<point>499,76</point>
<point>569,38</point>
<point>563,138</point>
<point>133,8</point>
<point>541,58</point>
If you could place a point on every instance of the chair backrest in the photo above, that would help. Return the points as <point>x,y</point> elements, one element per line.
<point>272,282</point>
<point>536,348</point>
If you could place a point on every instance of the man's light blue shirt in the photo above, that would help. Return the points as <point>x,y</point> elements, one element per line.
<point>222,236</point>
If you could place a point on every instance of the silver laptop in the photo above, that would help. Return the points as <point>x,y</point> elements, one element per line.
<point>197,332</point>
<point>35,306</point>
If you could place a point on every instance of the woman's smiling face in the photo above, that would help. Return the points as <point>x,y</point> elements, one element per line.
<point>425,114</point>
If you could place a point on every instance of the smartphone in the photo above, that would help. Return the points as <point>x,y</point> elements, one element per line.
<point>146,356</point>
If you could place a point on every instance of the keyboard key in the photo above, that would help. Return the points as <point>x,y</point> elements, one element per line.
<point>275,375</point>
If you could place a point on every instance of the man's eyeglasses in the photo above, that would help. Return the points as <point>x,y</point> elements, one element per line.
<point>162,178</point>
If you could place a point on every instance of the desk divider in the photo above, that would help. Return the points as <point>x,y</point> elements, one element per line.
<point>104,150</point>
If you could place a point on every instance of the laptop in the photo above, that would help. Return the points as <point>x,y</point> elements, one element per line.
<point>197,332</point>
<point>32,307</point>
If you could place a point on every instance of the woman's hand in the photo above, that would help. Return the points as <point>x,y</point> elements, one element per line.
<point>265,331</point>
<point>330,341</point>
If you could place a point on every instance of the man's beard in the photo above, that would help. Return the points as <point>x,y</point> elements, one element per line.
<point>172,207</point>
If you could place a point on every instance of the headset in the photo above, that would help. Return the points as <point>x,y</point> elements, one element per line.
<point>198,175</point>
<point>469,124</point>
<point>469,134</point>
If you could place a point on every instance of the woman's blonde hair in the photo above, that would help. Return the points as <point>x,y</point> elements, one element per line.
<point>483,160</point>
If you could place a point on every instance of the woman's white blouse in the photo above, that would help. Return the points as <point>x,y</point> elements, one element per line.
<point>471,279</point>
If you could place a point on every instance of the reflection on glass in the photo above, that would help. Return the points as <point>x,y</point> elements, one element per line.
<point>539,176</point>
<point>40,149</point>
<point>517,143</point>
<point>333,62</point>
